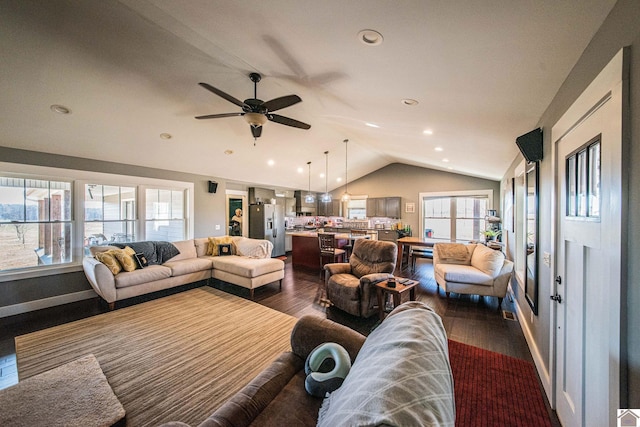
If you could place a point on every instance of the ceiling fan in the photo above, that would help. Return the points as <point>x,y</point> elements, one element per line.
<point>255,111</point>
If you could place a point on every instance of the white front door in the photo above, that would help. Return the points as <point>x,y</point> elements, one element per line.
<point>588,254</point>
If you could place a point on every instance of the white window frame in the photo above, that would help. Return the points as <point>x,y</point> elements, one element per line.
<point>79,178</point>
<point>439,194</point>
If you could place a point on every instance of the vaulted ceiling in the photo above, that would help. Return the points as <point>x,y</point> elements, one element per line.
<point>482,73</point>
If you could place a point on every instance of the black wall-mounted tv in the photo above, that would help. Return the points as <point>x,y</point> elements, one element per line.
<point>530,145</point>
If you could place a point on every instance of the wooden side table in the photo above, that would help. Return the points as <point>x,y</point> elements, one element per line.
<point>382,289</point>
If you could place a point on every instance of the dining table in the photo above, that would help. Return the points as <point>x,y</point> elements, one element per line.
<point>405,243</point>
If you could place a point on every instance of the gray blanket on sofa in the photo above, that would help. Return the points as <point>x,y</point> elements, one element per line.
<point>156,252</point>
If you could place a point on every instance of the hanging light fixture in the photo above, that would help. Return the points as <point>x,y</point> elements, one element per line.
<point>346,196</point>
<point>309,198</point>
<point>326,197</point>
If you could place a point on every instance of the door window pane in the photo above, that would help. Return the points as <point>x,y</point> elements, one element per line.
<point>594,180</point>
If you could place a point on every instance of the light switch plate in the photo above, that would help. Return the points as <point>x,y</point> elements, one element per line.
<point>217,226</point>
<point>546,258</point>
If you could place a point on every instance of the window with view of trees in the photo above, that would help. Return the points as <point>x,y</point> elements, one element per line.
<point>35,222</point>
<point>455,217</point>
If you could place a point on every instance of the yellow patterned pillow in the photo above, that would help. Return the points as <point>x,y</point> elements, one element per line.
<point>108,258</point>
<point>125,258</point>
<point>215,242</point>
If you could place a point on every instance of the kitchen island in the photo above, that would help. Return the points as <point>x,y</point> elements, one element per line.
<point>306,248</point>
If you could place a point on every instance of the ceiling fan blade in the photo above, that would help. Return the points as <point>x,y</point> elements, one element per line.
<point>224,95</point>
<point>282,102</point>
<point>217,116</point>
<point>287,121</point>
<point>256,131</point>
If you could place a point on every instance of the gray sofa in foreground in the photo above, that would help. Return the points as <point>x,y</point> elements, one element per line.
<point>251,266</point>
<point>400,375</point>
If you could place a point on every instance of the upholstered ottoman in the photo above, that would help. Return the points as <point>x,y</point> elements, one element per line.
<point>248,272</point>
<point>74,394</point>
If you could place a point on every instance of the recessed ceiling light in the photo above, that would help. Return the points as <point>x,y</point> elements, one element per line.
<point>450,168</point>
<point>428,132</point>
<point>338,179</point>
<point>372,125</point>
<point>60,109</point>
<point>271,162</point>
<point>166,136</point>
<point>228,152</point>
<point>300,170</point>
<point>370,37</point>
<point>445,160</point>
<point>410,102</point>
<point>439,149</point>
<point>322,175</point>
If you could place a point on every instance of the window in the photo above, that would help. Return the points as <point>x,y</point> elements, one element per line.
<point>357,208</point>
<point>164,214</point>
<point>109,214</point>
<point>35,222</point>
<point>583,181</point>
<point>459,216</point>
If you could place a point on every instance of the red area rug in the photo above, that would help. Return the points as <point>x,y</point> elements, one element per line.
<point>492,389</point>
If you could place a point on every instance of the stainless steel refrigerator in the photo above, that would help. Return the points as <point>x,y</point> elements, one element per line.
<point>267,222</point>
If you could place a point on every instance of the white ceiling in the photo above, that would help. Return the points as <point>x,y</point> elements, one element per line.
<point>483,72</point>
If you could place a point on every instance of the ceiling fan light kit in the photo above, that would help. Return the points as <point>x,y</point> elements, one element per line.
<point>257,112</point>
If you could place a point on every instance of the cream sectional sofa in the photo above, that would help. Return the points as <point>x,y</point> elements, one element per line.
<point>472,269</point>
<point>250,268</point>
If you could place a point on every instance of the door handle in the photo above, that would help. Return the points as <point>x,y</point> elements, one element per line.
<point>559,280</point>
<point>557,298</point>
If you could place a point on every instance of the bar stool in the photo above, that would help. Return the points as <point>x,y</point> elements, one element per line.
<point>329,249</point>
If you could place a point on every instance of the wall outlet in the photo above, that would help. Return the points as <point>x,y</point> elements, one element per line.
<point>217,226</point>
<point>546,258</point>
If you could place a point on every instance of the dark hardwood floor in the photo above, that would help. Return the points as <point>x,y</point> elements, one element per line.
<point>472,320</point>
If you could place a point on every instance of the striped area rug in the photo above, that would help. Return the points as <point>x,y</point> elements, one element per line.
<point>176,358</point>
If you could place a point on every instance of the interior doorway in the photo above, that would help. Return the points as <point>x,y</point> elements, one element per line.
<point>586,303</point>
<point>236,218</point>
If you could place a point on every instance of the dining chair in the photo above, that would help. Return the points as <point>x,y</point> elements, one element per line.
<point>416,252</point>
<point>329,249</point>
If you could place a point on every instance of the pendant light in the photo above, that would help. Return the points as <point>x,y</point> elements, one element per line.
<point>326,197</point>
<point>309,198</point>
<point>346,196</point>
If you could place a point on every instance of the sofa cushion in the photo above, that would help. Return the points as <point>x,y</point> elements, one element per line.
<point>202,245</point>
<point>186,266</point>
<point>252,248</point>
<point>487,260</point>
<point>149,274</point>
<point>247,267</point>
<point>455,253</point>
<point>126,259</point>
<point>215,242</point>
<point>187,250</point>
<point>109,259</point>
<point>454,273</point>
<point>401,376</point>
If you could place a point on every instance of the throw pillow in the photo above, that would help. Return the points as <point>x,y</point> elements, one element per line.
<point>215,242</point>
<point>108,258</point>
<point>487,260</point>
<point>141,260</point>
<point>126,259</point>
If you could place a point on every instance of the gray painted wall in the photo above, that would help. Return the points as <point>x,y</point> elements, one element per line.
<point>407,181</point>
<point>620,29</point>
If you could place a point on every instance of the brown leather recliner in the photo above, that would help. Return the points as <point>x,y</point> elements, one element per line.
<point>351,286</point>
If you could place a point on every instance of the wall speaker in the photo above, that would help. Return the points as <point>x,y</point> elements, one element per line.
<point>213,186</point>
<point>530,145</point>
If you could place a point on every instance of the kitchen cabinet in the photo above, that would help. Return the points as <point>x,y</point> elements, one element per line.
<point>331,208</point>
<point>383,207</point>
<point>288,242</point>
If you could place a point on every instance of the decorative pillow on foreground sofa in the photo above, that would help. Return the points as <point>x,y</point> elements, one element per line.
<point>400,376</point>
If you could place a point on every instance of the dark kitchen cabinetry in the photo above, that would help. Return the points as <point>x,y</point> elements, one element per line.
<point>383,207</point>
<point>331,208</point>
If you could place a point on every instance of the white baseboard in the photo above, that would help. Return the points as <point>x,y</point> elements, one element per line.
<point>535,353</point>
<point>11,310</point>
